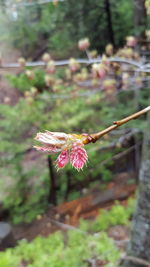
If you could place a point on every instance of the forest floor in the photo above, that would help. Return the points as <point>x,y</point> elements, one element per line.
<point>67,215</point>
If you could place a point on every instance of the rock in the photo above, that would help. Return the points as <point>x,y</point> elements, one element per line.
<point>6,236</point>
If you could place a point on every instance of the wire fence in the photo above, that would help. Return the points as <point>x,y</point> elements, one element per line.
<point>140,66</point>
<point>40,2</point>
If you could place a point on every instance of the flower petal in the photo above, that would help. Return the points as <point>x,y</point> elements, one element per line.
<point>48,148</point>
<point>62,159</point>
<point>78,156</point>
<point>58,134</point>
<point>48,138</point>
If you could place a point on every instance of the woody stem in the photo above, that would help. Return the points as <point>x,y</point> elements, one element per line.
<point>96,136</point>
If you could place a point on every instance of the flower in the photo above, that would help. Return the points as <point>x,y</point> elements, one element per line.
<point>70,146</point>
<point>131,41</point>
<point>29,74</point>
<point>73,64</point>
<point>46,57</point>
<point>99,70</point>
<point>109,49</point>
<point>83,44</point>
<point>22,62</point>
<point>50,67</point>
<point>78,156</point>
<point>109,85</point>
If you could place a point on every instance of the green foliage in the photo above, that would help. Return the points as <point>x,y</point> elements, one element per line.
<point>22,191</point>
<point>73,249</point>
<point>59,28</point>
<point>122,17</point>
<point>23,83</point>
<point>28,187</point>
<point>117,215</point>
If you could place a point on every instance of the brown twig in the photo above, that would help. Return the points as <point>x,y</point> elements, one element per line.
<point>96,136</point>
<point>66,226</point>
<point>133,259</point>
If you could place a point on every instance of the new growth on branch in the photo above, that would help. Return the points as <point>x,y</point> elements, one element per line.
<point>71,146</point>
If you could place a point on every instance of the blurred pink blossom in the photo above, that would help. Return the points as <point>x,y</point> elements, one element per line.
<point>83,44</point>
<point>131,41</point>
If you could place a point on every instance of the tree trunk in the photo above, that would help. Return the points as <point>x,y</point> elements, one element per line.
<point>139,245</point>
<point>109,21</point>
<point>139,17</point>
<point>52,192</point>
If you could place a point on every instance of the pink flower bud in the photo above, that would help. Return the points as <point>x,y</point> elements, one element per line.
<point>109,85</point>
<point>73,64</point>
<point>84,44</point>
<point>30,74</point>
<point>22,62</point>
<point>62,159</point>
<point>70,146</point>
<point>147,33</point>
<point>46,57</point>
<point>131,41</point>
<point>99,70</point>
<point>33,90</point>
<point>48,148</point>
<point>93,53</point>
<point>50,67</point>
<point>109,49</point>
<point>49,80</point>
<point>78,156</point>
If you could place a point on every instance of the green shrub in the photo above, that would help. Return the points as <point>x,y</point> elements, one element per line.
<point>23,83</point>
<point>118,215</point>
<point>71,249</point>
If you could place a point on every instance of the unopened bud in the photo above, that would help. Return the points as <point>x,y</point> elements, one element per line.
<point>57,216</point>
<point>49,80</point>
<point>22,62</point>
<point>30,74</point>
<point>27,93</point>
<point>93,53</point>
<point>109,49</point>
<point>84,44</point>
<point>7,100</point>
<point>50,67</point>
<point>46,57</point>
<point>68,74</point>
<point>109,85</point>
<point>30,100</point>
<point>39,217</point>
<point>34,90</point>
<point>73,64</point>
<point>131,41</point>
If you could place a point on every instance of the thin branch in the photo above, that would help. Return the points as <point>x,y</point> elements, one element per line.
<point>96,136</point>
<point>122,141</point>
<point>66,226</point>
<point>133,259</point>
<point>88,55</point>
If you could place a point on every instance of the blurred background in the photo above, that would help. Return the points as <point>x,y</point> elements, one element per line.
<point>74,67</point>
